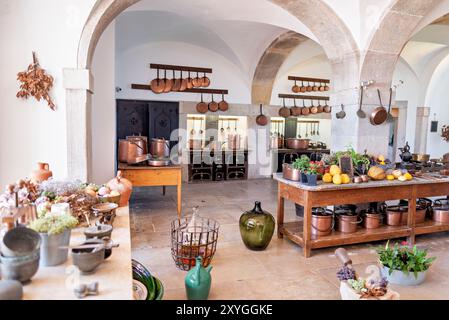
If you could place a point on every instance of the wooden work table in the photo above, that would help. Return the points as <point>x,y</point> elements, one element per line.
<point>375,191</point>
<point>114,275</point>
<point>146,176</point>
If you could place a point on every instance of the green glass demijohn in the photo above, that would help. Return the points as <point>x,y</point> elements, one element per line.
<point>257,228</point>
<point>198,281</point>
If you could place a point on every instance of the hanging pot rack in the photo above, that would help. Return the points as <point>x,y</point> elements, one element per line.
<point>193,90</point>
<point>303,97</point>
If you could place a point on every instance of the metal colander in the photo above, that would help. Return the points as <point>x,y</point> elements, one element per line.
<point>191,237</point>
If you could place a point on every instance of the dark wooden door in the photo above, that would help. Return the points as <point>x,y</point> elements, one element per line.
<point>163,120</point>
<point>132,118</point>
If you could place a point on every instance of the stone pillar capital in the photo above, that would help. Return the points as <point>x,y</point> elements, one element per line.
<point>78,79</point>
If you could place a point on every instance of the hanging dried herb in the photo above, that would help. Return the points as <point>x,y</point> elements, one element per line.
<point>35,82</point>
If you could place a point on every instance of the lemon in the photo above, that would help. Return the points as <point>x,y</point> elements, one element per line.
<point>345,179</point>
<point>337,179</point>
<point>408,176</point>
<point>390,177</point>
<point>327,178</point>
<point>335,170</point>
<point>402,178</point>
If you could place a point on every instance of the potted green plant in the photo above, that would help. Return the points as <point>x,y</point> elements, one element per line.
<point>302,164</point>
<point>55,232</point>
<point>312,174</point>
<point>404,265</point>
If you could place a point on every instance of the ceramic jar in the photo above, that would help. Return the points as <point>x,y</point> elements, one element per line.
<point>42,173</point>
<point>256,228</point>
<point>123,186</point>
<point>198,281</point>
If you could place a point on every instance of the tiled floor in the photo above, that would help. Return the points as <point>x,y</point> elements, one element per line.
<point>280,272</point>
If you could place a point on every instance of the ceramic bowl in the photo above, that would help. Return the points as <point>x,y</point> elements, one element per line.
<point>20,242</point>
<point>107,242</point>
<point>100,231</point>
<point>104,207</point>
<point>115,199</point>
<point>87,260</point>
<point>19,268</point>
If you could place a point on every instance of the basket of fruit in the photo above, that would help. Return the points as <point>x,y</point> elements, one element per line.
<point>103,193</point>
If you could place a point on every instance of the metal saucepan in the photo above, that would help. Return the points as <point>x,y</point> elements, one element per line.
<point>159,148</point>
<point>197,82</point>
<point>159,162</point>
<point>315,87</point>
<point>176,83</point>
<point>440,212</point>
<point>168,83</point>
<point>380,114</point>
<point>213,106</point>
<point>189,82</point>
<point>223,105</point>
<point>302,88</point>
<point>137,147</point>
<point>313,109</point>
<point>342,113</point>
<point>309,87</point>
<point>202,107</point>
<point>296,88</point>
<point>158,84</point>
<point>205,81</point>
<point>295,110</point>
<point>284,112</point>
<point>123,150</point>
<point>327,108</point>
<point>305,111</point>
<point>298,144</point>
<point>320,107</point>
<point>183,83</point>
<point>261,119</point>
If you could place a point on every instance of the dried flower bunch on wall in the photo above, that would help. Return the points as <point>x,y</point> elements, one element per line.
<point>445,133</point>
<point>35,82</point>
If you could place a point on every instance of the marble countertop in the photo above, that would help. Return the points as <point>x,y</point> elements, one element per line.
<point>372,184</point>
<point>114,275</point>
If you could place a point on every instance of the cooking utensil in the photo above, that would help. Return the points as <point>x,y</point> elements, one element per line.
<point>307,130</point>
<point>289,173</point>
<point>168,83</point>
<point>321,87</point>
<point>320,107</point>
<point>228,129</point>
<point>157,85</point>
<point>213,106</point>
<point>201,127</point>
<point>347,222</point>
<point>223,105</point>
<point>309,87</point>
<point>202,107</point>
<point>389,116</point>
<point>197,82</point>
<point>183,86</point>
<point>189,82</point>
<point>326,88</point>
<point>342,113</point>
<point>159,148</point>
<point>318,130</point>
<point>298,144</point>
<point>360,113</point>
<point>299,130</point>
<point>295,110</point>
<point>205,81</point>
<point>322,222</point>
<point>222,130</point>
<point>303,88</point>
<point>137,147</point>
<point>313,109</point>
<point>284,112</point>
<point>421,157</point>
<point>159,162</point>
<point>379,115</point>
<point>176,83</point>
<point>327,108</point>
<point>123,150</point>
<point>315,87</point>
<point>305,110</point>
<point>440,212</point>
<point>261,119</point>
<point>296,88</point>
<point>193,132</point>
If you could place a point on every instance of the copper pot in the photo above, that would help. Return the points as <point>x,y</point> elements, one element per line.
<point>137,147</point>
<point>296,88</point>
<point>176,83</point>
<point>223,105</point>
<point>398,215</point>
<point>189,82</point>
<point>284,112</point>
<point>322,222</point>
<point>421,157</point>
<point>348,223</point>
<point>205,81</point>
<point>213,106</point>
<point>159,148</point>
<point>261,119</point>
<point>380,114</point>
<point>197,82</point>
<point>123,150</point>
<point>372,220</point>
<point>157,85</point>
<point>440,212</point>
<point>202,107</point>
<point>289,173</point>
<point>168,83</point>
<point>295,110</point>
<point>298,144</point>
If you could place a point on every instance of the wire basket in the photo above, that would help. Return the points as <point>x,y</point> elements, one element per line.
<point>190,240</point>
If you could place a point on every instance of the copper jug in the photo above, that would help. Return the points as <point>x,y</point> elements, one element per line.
<point>42,173</point>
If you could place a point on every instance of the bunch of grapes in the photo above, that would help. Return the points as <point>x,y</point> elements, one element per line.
<point>346,273</point>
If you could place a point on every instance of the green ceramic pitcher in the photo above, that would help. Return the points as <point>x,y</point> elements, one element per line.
<point>257,228</point>
<point>198,281</point>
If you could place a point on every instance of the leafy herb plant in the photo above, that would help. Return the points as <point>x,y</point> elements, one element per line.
<point>302,164</point>
<point>53,224</point>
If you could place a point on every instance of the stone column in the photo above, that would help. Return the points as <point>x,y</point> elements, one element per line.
<point>79,87</point>
<point>422,129</point>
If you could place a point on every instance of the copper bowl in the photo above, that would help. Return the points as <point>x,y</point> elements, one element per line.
<point>298,144</point>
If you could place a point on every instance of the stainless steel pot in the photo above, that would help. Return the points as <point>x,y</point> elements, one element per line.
<point>159,148</point>
<point>298,144</point>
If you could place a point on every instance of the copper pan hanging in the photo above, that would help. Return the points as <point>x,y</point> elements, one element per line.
<point>313,108</point>
<point>205,81</point>
<point>197,82</point>
<point>380,114</point>
<point>183,86</point>
<point>305,111</point>
<point>223,105</point>
<point>296,88</point>
<point>327,108</point>
<point>189,82</point>
<point>296,111</point>
<point>202,107</point>
<point>176,83</point>
<point>284,112</point>
<point>302,88</point>
<point>309,87</point>
<point>213,106</point>
<point>320,107</point>
<point>168,83</point>
<point>322,87</point>
<point>315,87</point>
<point>158,84</point>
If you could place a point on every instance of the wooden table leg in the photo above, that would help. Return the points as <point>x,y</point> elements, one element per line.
<point>280,213</point>
<point>179,190</point>
<point>307,226</point>
<point>163,190</point>
<point>412,216</point>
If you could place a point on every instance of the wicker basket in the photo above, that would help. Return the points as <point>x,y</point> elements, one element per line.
<point>190,241</point>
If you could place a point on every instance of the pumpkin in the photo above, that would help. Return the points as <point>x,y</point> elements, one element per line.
<point>123,186</point>
<point>376,173</point>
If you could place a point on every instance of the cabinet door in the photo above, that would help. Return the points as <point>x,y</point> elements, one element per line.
<point>132,118</point>
<point>163,119</point>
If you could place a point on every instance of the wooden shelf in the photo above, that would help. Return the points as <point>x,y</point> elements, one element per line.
<point>294,231</point>
<point>303,97</point>
<point>193,90</point>
<point>430,226</point>
<point>305,79</point>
